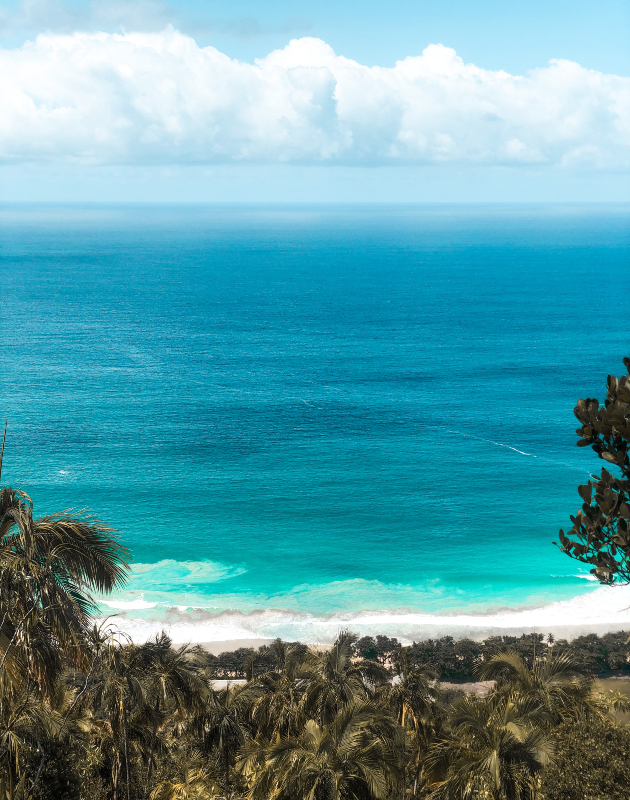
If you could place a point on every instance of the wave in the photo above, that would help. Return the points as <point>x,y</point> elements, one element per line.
<point>168,572</point>
<point>139,603</point>
<point>603,609</point>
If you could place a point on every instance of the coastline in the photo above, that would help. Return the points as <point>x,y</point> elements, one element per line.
<point>605,609</point>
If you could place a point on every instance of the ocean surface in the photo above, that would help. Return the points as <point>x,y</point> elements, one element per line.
<point>302,418</point>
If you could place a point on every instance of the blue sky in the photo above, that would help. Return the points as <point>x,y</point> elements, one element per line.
<point>317,128</point>
<point>496,34</point>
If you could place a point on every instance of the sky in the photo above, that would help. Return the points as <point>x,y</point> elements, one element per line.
<point>335,101</point>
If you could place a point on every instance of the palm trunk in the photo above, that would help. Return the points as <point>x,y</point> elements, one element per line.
<point>115,776</point>
<point>153,742</point>
<point>39,771</point>
<point>227,773</point>
<point>78,697</point>
<point>125,734</point>
<point>534,659</point>
<point>417,778</point>
<point>16,631</point>
<point>421,737</point>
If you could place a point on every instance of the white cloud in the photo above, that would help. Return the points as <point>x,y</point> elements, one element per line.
<point>158,98</point>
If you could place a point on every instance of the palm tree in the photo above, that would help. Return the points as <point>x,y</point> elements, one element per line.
<point>29,723</point>
<point>274,696</point>
<point>554,685</point>
<point>337,678</point>
<point>194,782</point>
<point>25,720</point>
<point>48,567</point>
<point>117,691</point>
<point>220,725</point>
<point>413,697</point>
<point>9,790</point>
<point>354,757</point>
<point>494,751</point>
<point>173,684</point>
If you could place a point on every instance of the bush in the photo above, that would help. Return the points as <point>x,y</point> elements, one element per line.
<point>59,778</point>
<point>591,763</point>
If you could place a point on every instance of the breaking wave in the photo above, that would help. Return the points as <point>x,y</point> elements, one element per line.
<point>599,610</point>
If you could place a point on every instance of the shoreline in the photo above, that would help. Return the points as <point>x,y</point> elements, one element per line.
<point>605,609</point>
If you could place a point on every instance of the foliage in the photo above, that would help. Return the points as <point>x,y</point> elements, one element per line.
<point>553,690</point>
<point>456,659</point>
<point>245,662</point>
<point>381,649</point>
<point>591,762</point>
<point>449,657</point>
<point>144,721</point>
<point>353,756</point>
<point>600,535</point>
<point>60,778</point>
<point>496,749</point>
<point>48,567</point>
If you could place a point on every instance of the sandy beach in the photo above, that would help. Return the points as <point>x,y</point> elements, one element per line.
<point>601,610</point>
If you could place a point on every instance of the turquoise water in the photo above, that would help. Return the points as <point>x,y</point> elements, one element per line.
<point>315,409</point>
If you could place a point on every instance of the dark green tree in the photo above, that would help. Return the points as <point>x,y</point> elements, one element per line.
<point>600,535</point>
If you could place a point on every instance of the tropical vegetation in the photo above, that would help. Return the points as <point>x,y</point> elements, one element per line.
<point>600,535</point>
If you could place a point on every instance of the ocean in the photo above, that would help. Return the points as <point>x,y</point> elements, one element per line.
<point>307,418</point>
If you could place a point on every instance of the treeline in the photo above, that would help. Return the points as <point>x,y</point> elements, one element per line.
<point>451,659</point>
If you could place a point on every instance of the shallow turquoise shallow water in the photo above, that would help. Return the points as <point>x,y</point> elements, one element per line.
<point>319,409</point>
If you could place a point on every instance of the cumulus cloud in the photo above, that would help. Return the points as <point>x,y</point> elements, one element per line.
<point>159,98</point>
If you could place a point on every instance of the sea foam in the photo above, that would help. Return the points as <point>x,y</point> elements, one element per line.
<point>169,570</point>
<point>604,609</point>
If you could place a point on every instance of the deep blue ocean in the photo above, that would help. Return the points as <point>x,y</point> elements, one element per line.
<point>314,409</point>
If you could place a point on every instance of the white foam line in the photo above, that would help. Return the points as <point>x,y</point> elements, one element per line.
<point>499,444</point>
<point>509,447</point>
<point>127,605</point>
<point>603,609</point>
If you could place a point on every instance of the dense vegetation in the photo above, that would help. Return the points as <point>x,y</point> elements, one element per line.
<point>451,659</point>
<point>149,721</point>
<point>591,760</point>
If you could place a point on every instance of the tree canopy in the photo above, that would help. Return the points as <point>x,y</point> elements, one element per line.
<point>600,535</point>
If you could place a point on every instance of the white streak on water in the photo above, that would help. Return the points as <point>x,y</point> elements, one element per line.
<point>509,447</point>
<point>491,441</point>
